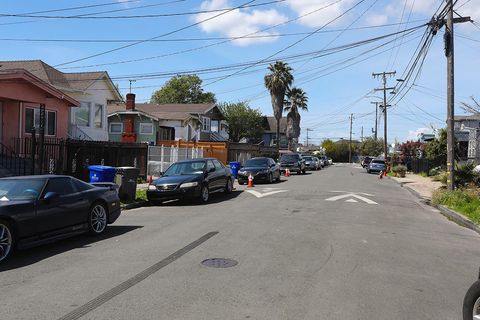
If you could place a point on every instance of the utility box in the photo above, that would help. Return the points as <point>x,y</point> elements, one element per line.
<point>127,180</point>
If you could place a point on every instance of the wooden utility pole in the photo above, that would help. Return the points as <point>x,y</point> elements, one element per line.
<point>385,106</point>
<point>376,103</point>
<point>350,145</point>
<point>361,136</point>
<point>449,53</point>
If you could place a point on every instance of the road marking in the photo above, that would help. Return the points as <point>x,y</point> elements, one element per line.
<point>110,294</point>
<point>362,193</point>
<point>351,197</point>
<point>267,192</point>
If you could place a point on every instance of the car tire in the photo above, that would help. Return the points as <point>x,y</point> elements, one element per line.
<point>270,178</point>
<point>204,194</point>
<point>368,171</point>
<point>229,186</point>
<point>97,218</point>
<point>299,172</point>
<point>304,171</point>
<point>7,240</point>
<point>471,301</point>
<point>240,181</point>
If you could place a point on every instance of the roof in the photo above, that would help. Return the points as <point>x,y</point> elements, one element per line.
<point>75,81</point>
<point>166,111</point>
<point>475,116</point>
<point>270,124</point>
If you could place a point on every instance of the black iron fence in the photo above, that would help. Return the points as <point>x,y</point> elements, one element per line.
<point>422,165</point>
<point>72,157</point>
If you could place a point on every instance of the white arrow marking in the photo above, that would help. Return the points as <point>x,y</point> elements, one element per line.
<point>351,200</point>
<point>365,194</point>
<point>351,195</point>
<point>261,195</point>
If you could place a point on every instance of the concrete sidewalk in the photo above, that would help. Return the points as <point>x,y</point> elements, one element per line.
<point>421,185</point>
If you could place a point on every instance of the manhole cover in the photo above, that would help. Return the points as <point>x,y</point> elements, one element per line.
<point>219,263</point>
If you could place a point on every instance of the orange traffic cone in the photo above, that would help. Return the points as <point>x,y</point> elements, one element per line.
<point>287,172</point>
<point>150,179</point>
<point>250,181</point>
<point>381,175</point>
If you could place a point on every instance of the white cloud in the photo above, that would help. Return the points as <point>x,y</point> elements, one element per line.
<point>239,22</point>
<point>319,17</point>
<point>124,3</point>
<point>376,19</point>
<point>414,135</point>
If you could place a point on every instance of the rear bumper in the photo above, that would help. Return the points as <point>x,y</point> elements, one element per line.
<point>113,215</point>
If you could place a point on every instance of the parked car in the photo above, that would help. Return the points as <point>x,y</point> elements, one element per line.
<point>329,161</point>
<point>311,163</point>
<point>261,168</point>
<point>293,162</point>
<point>40,209</point>
<point>196,179</point>
<point>366,161</point>
<point>376,165</point>
<point>319,163</point>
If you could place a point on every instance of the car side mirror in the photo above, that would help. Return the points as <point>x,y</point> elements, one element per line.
<point>49,196</point>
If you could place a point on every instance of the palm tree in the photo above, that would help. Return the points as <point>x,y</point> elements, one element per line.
<point>277,81</point>
<point>296,100</point>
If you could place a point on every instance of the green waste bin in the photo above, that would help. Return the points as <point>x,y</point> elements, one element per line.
<point>126,178</point>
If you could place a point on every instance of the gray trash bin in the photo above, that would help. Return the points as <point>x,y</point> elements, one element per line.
<point>127,180</point>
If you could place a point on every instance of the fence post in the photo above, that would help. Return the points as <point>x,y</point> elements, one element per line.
<point>162,158</point>
<point>33,150</point>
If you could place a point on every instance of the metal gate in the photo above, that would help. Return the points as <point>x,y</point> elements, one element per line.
<point>160,157</point>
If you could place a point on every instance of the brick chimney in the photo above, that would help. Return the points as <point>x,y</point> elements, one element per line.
<point>130,101</point>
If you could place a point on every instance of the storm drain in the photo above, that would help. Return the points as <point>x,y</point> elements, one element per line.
<point>219,263</point>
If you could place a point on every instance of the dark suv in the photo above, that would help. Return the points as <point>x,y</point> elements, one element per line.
<point>292,162</point>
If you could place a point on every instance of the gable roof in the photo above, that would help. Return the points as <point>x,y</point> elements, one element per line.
<point>166,111</point>
<point>475,116</point>
<point>270,124</point>
<point>75,81</point>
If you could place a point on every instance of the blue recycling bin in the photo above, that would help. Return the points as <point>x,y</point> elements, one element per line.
<point>101,173</point>
<point>235,166</point>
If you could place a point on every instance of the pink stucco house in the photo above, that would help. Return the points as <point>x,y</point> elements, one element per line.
<point>21,94</point>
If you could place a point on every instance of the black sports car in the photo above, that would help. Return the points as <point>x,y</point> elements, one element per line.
<point>39,209</point>
<point>195,179</point>
<point>262,169</point>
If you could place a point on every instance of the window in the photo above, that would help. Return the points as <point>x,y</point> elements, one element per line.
<point>215,126</point>
<point>116,127</point>
<point>210,165</point>
<point>205,124</point>
<point>146,128</point>
<point>32,120</point>
<point>98,116</point>
<point>166,133</point>
<point>61,186</point>
<point>217,164</point>
<point>81,186</point>
<point>82,114</point>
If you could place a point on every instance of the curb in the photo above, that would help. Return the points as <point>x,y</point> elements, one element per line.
<point>450,214</point>
<point>133,205</point>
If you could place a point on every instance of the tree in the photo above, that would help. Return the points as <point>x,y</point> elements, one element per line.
<point>182,89</point>
<point>243,121</point>
<point>277,82</point>
<point>437,148</point>
<point>371,147</point>
<point>296,99</point>
<point>329,147</point>
<point>471,107</point>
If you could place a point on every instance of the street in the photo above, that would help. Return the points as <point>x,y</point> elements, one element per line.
<point>332,244</point>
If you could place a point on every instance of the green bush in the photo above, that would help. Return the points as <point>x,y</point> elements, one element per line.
<point>399,168</point>
<point>435,171</point>
<point>466,202</point>
<point>464,174</point>
<point>423,174</point>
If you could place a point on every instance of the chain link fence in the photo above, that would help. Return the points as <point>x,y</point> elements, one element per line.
<point>160,157</point>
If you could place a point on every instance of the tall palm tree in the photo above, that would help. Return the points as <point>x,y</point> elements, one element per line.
<point>296,100</point>
<point>277,81</point>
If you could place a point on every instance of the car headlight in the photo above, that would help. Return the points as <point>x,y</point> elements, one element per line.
<point>189,184</point>
<point>242,172</point>
<point>152,187</point>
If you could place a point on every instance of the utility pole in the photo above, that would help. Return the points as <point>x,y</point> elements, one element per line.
<point>376,103</point>
<point>350,145</point>
<point>449,53</point>
<point>361,137</point>
<point>385,105</point>
<point>308,130</point>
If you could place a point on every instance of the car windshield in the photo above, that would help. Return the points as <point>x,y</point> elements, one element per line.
<point>308,158</point>
<point>290,157</point>
<point>378,161</point>
<point>19,189</point>
<point>185,168</point>
<point>256,163</point>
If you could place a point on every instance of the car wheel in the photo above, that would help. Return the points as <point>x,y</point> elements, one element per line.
<point>240,181</point>
<point>6,240</point>
<point>368,171</point>
<point>97,219</point>
<point>270,178</point>
<point>229,186</point>
<point>471,302</point>
<point>304,171</point>
<point>204,194</point>
<point>299,172</point>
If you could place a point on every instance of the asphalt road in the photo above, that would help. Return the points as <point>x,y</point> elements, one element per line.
<point>375,253</point>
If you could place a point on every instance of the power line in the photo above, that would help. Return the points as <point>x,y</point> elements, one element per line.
<point>172,14</point>
<point>153,38</point>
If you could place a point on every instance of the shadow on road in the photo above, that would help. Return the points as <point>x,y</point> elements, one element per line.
<point>216,197</point>
<point>22,258</point>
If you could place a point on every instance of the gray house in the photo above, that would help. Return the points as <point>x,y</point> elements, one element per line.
<point>467,133</point>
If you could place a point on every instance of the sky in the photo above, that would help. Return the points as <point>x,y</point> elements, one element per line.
<point>333,47</point>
